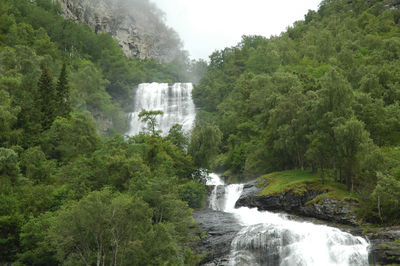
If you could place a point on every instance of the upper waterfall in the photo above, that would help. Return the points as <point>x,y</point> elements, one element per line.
<point>174,100</point>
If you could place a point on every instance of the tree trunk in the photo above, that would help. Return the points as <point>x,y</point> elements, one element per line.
<point>323,174</point>
<point>349,179</point>
<point>379,209</point>
<point>314,169</point>
<point>299,158</point>
<point>335,172</point>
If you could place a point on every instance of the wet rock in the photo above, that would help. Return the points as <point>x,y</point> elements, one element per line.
<point>384,243</point>
<point>331,210</point>
<point>219,229</point>
<point>385,246</point>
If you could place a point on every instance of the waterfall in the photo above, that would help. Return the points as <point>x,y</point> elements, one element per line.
<point>272,239</point>
<point>174,100</point>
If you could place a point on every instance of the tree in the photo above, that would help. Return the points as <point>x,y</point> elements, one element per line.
<point>204,144</point>
<point>350,136</point>
<point>387,198</point>
<point>9,166</point>
<point>34,166</point>
<point>150,118</point>
<point>177,137</point>
<point>8,118</point>
<point>35,247</point>
<point>46,99</point>
<point>62,100</point>
<point>10,225</point>
<point>71,137</point>
<point>103,229</point>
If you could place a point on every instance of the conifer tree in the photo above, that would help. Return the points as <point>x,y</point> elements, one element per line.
<point>62,100</point>
<point>46,99</point>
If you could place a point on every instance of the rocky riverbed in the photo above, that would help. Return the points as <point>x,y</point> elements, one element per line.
<point>219,228</point>
<point>385,242</point>
<point>217,232</point>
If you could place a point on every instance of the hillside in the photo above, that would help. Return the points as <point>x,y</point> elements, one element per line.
<point>101,77</point>
<point>137,26</point>
<point>72,190</point>
<point>324,95</point>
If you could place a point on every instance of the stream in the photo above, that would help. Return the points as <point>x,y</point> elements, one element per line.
<point>268,238</point>
<point>245,236</point>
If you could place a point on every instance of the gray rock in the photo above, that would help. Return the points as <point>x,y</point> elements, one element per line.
<point>332,210</point>
<point>137,26</point>
<point>220,229</point>
<point>385,246</point>
<point>327,209</point>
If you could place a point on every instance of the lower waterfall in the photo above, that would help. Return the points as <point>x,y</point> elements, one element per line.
<point>272,239</point>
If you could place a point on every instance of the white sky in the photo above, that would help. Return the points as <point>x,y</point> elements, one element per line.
<point>209,25</point>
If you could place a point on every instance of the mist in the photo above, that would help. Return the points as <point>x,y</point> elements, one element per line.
<point>150,21</point>
<point>209,25</point>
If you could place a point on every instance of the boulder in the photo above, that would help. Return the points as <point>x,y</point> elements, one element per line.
<point>385,246</point>
<point>217,230</point>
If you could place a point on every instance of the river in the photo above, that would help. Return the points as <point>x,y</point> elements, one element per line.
<point>262,238</point>
<point>273,239</point>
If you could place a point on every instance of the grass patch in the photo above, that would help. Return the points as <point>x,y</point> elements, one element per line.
<point>300,182</point>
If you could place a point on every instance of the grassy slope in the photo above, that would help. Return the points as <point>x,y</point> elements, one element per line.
<point>299,182</point>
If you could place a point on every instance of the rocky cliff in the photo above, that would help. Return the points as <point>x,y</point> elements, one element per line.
<point>137,25</point>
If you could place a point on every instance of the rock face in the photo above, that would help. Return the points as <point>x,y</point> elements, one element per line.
<point>220,228</point>
<point>137,25</point>
<point>331,210</point>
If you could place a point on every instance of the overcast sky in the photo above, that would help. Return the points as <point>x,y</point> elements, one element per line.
<point>209,25</point>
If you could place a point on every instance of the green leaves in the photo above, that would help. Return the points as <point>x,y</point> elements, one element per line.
<point>150,118</point>
<point>387,198</point>
<point>9,166</point>
<point>46,99</point>
<point>114,228</point>
<point>204,145</point>
<point>102,226</point>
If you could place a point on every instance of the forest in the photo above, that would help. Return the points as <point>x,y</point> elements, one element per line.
<point>324,96</point>
<point>73,190</point>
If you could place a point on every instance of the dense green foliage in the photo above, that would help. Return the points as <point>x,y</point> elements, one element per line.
<point>68,195</point>
<point>323,95</point>
<point>34,36</point>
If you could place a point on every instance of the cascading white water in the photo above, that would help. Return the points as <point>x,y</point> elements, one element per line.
<point>175,101</point>
<point>272,239</point>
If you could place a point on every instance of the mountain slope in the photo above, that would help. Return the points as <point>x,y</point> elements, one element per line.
<point>137,25</point>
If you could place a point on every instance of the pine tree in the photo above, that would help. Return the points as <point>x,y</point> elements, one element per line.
<point>62,100</point>
<point>46,99</point>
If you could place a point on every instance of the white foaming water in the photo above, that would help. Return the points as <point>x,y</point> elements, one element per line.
<point>214,180</point>
<point>271,239</point>
<point>175,101</point>
<point>215,203</point>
